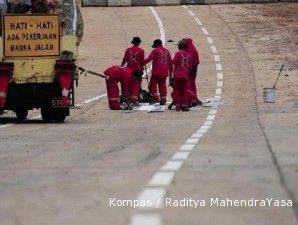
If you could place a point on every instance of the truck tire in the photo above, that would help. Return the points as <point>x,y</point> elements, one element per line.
<point>47,114</point>
<point>21,114</point>
<point>60,115</point>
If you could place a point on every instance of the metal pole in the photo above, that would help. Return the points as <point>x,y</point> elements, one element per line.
<point>280,70</point>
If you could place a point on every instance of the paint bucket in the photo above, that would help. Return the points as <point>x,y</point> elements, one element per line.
<point>269,95</point>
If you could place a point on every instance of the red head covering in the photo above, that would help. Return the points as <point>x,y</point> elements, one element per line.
<point>193,51</point>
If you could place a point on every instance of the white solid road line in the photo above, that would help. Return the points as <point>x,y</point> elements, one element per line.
<point>160,25</point>
<point>92,100</point>
<point>80,104</point>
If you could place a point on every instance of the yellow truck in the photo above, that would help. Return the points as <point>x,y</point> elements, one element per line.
<point>38,52</point>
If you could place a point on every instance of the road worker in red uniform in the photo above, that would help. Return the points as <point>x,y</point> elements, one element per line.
<point>122,75</point>
<point>134,57</point>
<point>192,88</point>
<point>161,69</point>
<point>182,66</point>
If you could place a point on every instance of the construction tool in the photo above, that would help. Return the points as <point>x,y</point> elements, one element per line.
<point>85,71</point>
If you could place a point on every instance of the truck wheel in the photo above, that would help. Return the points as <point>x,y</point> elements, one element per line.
<point>59,115</point>
<point>47,114</point>
<point>21,114</point>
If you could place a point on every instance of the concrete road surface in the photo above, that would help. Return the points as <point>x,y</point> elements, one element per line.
<point>244,150</point>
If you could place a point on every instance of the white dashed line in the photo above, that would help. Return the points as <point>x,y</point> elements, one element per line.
<point>219,84</point>
<point>198,22</point>
<point>208,123</point>
<point>146,219</point>
<point>210,40</point>
<point>213,111</point>
<point>218,91</point>
<point>191,13</point>
<point>205,31</point>
<point>197,135</point>
<point>216,58</point>
<point>213,49</point>
<point>181,155</point>
<point>218,67</point>
<point>154,195</point>
<point>172,165</point>
<point>211,117</point>
<point>219,76</point>
<point>161,179</point>
<point>192,141</point>
<point>187,147</point>
<point>165,175</point>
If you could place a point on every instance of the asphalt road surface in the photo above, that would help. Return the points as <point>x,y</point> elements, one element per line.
<point>244,149</point>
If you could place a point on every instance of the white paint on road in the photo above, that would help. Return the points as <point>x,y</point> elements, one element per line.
<point>216,58</point>
<point>219,76</point>
<point>180,155</point>
<point>164,177</point>
<point>210,40</point>
<point>205,31</point>
<point>161,179</point>
<point>218,67</point>
<point>191,13</point>
<point>214,49</point>
<point>198,21</point>
<point>172,165</point>
<point>187,147</point>
<point>146,219</point>
<point>154,195</point>
<point>77,105</point>
<point>160,25</point>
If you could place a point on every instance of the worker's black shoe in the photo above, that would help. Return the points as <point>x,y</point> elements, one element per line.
<point>185,109</point>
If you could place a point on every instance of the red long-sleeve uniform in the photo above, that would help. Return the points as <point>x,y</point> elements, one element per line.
<point>161,68</point>
<point>122,75</point>
<point>192,88</point>
<point>134,57</point>
<point>182,66</point>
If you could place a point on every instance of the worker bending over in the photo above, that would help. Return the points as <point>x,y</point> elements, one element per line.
<point>134,57</point>
<point>122,75</point>
<point>161,69</point>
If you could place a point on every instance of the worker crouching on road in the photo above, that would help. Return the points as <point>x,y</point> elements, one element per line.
<point>122,75</point>
<point>182,66</point>
<point>134,57</point>
<point>161,68</point>
<point>192,88</point>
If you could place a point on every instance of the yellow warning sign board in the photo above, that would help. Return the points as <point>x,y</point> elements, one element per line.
<point>31,35</point>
